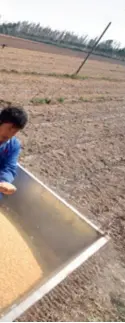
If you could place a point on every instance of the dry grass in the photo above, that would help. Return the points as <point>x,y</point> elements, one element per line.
<point>107,85</point>
<point>24,60</point>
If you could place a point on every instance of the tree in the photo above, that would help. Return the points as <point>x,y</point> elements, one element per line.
<point>36,32</point>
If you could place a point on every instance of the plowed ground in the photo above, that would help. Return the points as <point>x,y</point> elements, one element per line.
<point>76,145</point>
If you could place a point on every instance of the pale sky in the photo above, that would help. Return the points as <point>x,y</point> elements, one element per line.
<point>81,16</point>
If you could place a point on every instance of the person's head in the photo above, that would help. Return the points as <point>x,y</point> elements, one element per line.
<point>12,120</point>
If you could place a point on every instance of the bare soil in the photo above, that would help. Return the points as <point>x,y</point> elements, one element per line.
<point>77,147</point>
<point>21,43</point>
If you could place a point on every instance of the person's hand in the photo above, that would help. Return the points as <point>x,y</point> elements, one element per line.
<point>7,188</point>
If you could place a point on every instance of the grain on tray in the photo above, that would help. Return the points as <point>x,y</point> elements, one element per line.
<point>19,270</point>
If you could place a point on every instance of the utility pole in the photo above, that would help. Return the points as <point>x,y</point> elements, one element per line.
<point>94,46</point>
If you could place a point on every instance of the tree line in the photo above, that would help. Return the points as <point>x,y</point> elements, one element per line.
<point>36,32</point>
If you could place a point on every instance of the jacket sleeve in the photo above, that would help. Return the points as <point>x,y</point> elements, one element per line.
<point>8,171</point>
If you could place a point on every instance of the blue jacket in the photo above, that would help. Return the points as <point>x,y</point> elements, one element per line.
<point>9,153</point>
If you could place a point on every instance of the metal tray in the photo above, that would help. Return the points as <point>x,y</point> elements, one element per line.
<point>61,237</point>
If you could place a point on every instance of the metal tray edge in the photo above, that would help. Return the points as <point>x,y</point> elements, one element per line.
<point>18,310</point>
<point>83,217</point>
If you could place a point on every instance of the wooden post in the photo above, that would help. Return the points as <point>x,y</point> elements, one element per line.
<point>94,46</point>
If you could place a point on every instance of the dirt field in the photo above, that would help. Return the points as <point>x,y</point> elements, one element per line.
<point>76,145</point>
<point>16,42</point>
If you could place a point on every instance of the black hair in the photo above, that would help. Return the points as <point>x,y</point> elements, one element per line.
<point>17,116</point>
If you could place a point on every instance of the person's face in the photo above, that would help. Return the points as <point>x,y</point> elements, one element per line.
<point>7,131</point>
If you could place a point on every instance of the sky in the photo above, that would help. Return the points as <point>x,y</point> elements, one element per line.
<point>80,16</point>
